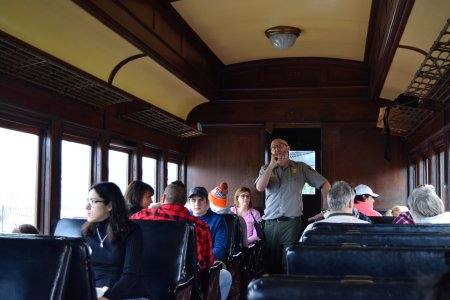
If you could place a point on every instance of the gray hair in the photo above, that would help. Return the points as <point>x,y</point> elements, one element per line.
<point>424,202</point>
<point>339,196</point>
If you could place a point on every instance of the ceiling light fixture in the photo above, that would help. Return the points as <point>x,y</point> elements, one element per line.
<point>283,37</point>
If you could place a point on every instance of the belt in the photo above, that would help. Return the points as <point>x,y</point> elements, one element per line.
<point>282,219</point>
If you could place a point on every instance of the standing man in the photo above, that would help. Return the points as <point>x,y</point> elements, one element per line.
<point>283,180</point>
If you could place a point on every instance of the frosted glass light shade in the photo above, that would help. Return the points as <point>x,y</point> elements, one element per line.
<point>283,37</point>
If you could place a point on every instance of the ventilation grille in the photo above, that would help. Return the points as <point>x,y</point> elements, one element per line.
<point>24,64</point>
<point>432,80</point>
<point>20,61</point>
<point>154,119</point>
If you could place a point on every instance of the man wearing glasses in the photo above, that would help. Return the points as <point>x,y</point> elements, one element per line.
<point>283,180</point>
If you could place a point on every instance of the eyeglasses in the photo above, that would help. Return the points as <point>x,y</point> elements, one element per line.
<point>93,201</point>
<point>278,146</point>
<point>245,196</point>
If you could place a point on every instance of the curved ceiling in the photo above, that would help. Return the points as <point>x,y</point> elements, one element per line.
<point>69,33</point>
<point>232,30</point>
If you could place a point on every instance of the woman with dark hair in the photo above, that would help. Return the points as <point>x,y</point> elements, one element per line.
<point>115,244</point>
<point>138,196</point>
<point>26,228</point>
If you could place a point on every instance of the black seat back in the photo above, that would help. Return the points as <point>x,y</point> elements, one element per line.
<point>234,256</point>
<point>381,219</point>
<point>81,281</point>
<point>282,287</point>
<point>69,227</point>
<point>33,267</point>
<point>234,235</point>
<point>375,261</point>
<point>45,267</point>
<point>370,228</point>
<point>377,238</point>
<point>164,256</point>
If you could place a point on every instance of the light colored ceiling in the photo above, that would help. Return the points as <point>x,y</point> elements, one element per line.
<point>64,30</point>
<point>424,25</point>
<point>232,29</point>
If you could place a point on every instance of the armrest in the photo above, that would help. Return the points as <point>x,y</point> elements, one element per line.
<point>183,288</point>
<point>210,281</point>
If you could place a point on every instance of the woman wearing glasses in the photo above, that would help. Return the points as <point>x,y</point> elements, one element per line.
<point>425,206</point>
<point>243,207</point>
<point>115,244</point>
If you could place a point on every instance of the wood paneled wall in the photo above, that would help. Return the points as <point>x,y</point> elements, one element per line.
<point>233,154</point>
<point>350,152</point>
<point>355,153</point>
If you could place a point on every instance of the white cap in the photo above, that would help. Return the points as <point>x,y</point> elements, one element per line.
<point>363,189</point>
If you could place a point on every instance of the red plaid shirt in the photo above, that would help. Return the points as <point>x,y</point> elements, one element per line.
<point>175,212</point>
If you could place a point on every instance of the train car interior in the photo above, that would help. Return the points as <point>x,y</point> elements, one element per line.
<point>196,90</point>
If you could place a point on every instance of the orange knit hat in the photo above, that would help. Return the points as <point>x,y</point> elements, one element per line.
<point>218,195</point>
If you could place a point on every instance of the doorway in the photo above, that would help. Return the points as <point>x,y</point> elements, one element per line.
<point>305,144</point>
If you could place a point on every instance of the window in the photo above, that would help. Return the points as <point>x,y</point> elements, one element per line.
<point>426,170</point>
<point>149,171</point>
<point>419,172</point>
<point>441,173</point>
<point>18,174</point>
<point>118,164</point>
<point>172,172</point>
<point>75,178</point>
<point>309,158</point>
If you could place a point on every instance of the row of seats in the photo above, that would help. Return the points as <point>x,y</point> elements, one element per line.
<point>173,272</point>
<point>373,256</point>
<point>272,287</point>
<point>375,261</point>
<point>44,267</point>
<point>412,239</point>
<point>170,264</point>
<point>374,228</point>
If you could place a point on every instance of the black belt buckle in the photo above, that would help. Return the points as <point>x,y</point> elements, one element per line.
<point>283,218</point>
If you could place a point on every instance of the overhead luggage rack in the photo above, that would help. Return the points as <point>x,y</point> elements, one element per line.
<point>431,82</point>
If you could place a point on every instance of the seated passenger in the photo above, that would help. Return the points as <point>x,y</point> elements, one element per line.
<point>138,196</point>
<point>26,228</point>
<point>172,209</point>
<point>218,203</point>
<point>115,244</point>
<point>243,208</point>
<point>340,205</point>
<point>396,210</point>
<point>198,200</point>
<point>425,206</point>
<point>364,200</point>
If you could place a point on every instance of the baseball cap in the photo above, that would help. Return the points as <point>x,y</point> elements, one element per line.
<point>199,191</point>
<point>363,189</point>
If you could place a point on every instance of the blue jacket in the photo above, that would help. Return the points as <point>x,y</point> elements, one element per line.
<point>219,233</point>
